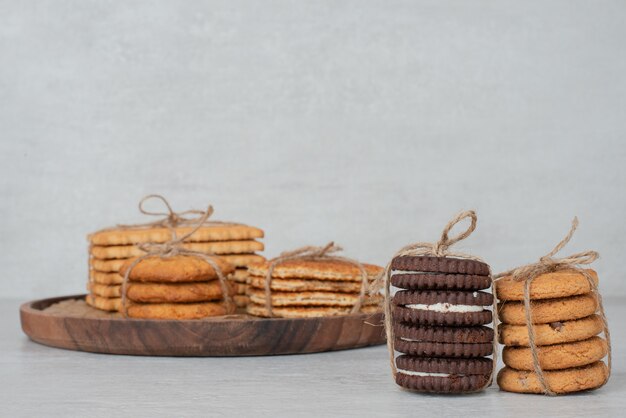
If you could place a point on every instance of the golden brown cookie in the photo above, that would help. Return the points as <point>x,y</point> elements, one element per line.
<point>180,268</point>
<point>240,275</point>
<point>307,312</point>
<point>175,292</point>
<point>104,304</point>
<point>240,288</point>
<point>558,356</point>
<point>549,310</point>
<point>105,291</point>
<point>111,266</point>
<point>559,381</point>
<point>311,298</point>
<point>548,285</point>
<point>306,285</point>
<point>107,266</point>
<point>216,247</point>
<point>243,260</point>
<point>310,269</point>
<point>105,278</point>
<point>175,310</point>
<point>552,333</point>
<point>241,301</point>
<point>226,232</point>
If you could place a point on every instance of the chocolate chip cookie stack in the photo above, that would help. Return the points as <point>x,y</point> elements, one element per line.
<point>109,249</point>
<point>566,325</point>
<point>310,288</point>
<point>438,315</point>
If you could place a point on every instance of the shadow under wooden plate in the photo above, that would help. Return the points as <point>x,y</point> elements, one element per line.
<point>88,329</point>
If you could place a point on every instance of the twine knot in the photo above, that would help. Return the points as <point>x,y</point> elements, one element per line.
<point>171,218</point>
<point>550,263</point>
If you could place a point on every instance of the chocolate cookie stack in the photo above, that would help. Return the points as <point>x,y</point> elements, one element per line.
<point>438,315</point>
<point>307,288</point>
<point>110,249</point>
<point>179,287</point>
<point>566,325</point>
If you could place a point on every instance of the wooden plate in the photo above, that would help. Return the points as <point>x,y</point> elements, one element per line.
<point>88,329</point>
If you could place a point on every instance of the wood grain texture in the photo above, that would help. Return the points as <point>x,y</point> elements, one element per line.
<point>238,335</point>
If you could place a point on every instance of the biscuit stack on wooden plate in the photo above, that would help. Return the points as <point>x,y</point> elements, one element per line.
<point>307,288</point>
<point>179,287</point>
<point>566,327</point>
<point>109,249</point>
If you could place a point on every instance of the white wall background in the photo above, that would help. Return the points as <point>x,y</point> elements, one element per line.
<point>366,122</point>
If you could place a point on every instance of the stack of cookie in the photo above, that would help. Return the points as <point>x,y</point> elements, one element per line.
<point>566,328</point>
<point>307,288</point>
<point>438,314</point>
<point>179,287</point>
<point>111,248</point>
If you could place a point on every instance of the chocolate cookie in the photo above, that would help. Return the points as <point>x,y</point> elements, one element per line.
<point>426,341</point>
<point>438,318</point>
<point>442,308</point>
<point>451,301</point>
<point>434,281</point>
<point>440,265</point>
<point>443,375</point>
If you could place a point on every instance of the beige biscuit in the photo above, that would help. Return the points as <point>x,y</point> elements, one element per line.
<point>311,298</point>
<point>241,301</point>
<point>557,356</point>
<point>548,285</point>
<point>111,266</point>
<point>240,288</point>
<point>553,333</point>
<point>209,248</point>
<point>105,291</point>
<point>107,266</point>
<point>549,310</point>
<point>240,275</point>
<point>306,285</point>
<point>307,312</point>
<point>560,381</point>
<point>105,278</point>
<point>312,269</point>
<point>226,232</point>
<point>243,260</point>
<point>177,311</point>
<point>104,304</point>
<point>180,268</point>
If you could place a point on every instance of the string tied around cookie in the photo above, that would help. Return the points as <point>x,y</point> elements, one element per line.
<point>547,264</point>
<point>327,252</point>
<point>174,247</point>
<point>440,248</point>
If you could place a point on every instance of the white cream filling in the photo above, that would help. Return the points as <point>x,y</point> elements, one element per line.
<point>423,374</point>
<point>409,272</point>
<point>445,307</point>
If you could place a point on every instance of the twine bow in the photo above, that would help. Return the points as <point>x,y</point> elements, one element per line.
<point>174,246</point>
<point>436,249</point>
<point>314,253</point>
<point>171,219</point>
<point>548,263</point>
